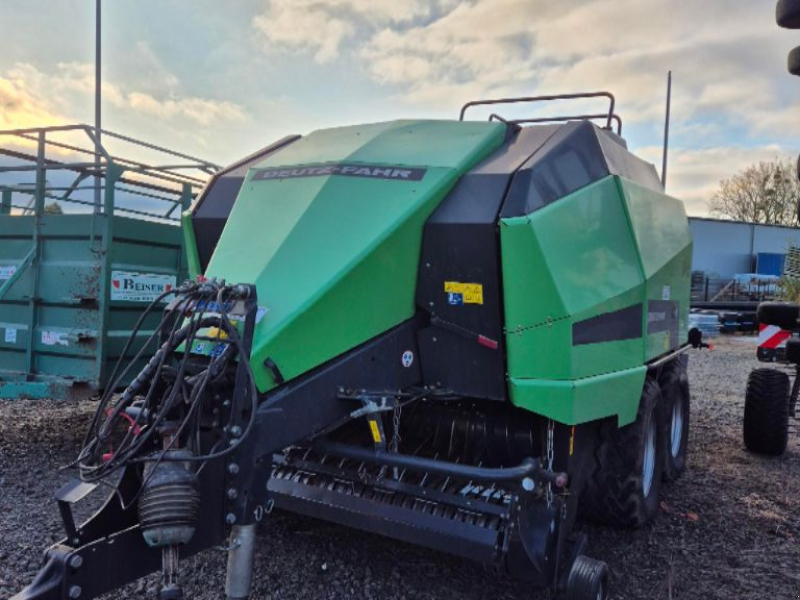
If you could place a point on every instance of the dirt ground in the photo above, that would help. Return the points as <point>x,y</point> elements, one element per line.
<point>729,528</point>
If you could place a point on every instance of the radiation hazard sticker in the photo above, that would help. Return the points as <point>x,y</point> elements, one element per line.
<point>463,293</point>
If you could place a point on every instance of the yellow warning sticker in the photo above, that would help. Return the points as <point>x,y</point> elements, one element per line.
<point>572,441</point>
<point>463,293</point>
<point>217,333</point>
<point>376,433</point>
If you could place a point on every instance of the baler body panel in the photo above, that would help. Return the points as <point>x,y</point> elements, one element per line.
<point>661,231</point>
<point>335,257</point>
<point>608,267</point>
<point>580,260</point>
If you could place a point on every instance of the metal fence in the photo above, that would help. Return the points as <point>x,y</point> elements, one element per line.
<point>86,238</point>
<point>715,289</point>
<point>69,167</point>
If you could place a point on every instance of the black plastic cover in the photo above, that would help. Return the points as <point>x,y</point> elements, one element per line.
<point>578,154</point>
<point>461,244</point>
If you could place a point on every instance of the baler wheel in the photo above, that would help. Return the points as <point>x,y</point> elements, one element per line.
<point>766,412</point>
<point>625,485</point>
<point>676,410</point>
<point>588,580</point>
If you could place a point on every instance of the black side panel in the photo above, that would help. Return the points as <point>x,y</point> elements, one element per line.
<point>463,349</point>
<point>578,154</point>
<point>216,200</point>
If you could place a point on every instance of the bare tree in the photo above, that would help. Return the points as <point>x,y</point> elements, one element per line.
<point>764,193</point>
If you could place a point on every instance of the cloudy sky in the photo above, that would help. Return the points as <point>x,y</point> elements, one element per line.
<point>221,79</point>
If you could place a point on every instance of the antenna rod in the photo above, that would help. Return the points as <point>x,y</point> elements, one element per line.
<point>97,88</point>
<point>666,133</point>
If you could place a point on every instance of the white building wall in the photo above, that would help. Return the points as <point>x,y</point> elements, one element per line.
<point>724,248</point>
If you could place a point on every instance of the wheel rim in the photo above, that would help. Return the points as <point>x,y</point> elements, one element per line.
<point>676,430</point>
<point>649,463</point>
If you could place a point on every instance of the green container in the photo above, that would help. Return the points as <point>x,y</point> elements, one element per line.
<point>73,285</point>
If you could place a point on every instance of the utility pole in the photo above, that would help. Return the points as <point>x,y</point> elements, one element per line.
<point>97,95</point>
<point>666,132</point>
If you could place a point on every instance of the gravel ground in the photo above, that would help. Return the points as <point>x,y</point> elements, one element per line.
<point>728,527</point>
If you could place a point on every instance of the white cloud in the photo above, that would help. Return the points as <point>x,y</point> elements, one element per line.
<point>199,110</point>
<point>728,58</point>
<point>693,175</point>
<point>30,97</point>
<point>21,105</point>
<point>324,27</point>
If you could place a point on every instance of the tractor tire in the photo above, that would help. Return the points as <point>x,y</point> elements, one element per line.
<point>625,485</point>
<point>766,412</point>
<point>779,314</point>
<point>588,580</point>
<point>676,414</point>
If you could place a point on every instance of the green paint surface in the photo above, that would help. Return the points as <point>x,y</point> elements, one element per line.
<point>582,400</point>
<point>335,258</point>
<point>661,231</point>
<point>608,246</point>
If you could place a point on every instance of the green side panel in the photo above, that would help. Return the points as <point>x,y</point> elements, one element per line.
<point>582,400</point>
<point>190,245</point>
<point>609,246</point>
<point>570,261</point>
<point>335,258</point>
<point>579,249</point>
<point>546,351</point>
<point>662,235</point>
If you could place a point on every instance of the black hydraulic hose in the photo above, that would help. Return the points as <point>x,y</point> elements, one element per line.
<point>233,335</point>
<point>91,473</point>
<point>146,374</point>
<point>529,467</point>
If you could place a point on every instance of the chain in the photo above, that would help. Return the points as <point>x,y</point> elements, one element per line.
<point>550,456</point>
<point>394,445</point>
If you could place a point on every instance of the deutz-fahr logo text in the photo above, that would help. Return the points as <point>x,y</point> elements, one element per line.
<point>398,173</point>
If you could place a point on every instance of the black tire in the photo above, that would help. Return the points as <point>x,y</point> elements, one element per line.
<point>787,14</point>
<point>617,492</point>
<point>766,412</point>
<point>779,314</point>
<point>588,580</point>
<point>676,413</point>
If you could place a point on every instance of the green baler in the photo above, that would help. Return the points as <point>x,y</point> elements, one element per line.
<point>457,334</point>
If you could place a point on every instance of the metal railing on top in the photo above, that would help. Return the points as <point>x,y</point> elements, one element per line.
<point>609,116</point>
<point>92,179</point>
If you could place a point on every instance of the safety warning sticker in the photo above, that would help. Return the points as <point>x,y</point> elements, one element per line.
<point>11,335</point>
<point>140,287</point>
<point>463,293</point>
<point>7,272</point>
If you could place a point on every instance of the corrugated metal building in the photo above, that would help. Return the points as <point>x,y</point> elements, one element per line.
<point>725,248</point>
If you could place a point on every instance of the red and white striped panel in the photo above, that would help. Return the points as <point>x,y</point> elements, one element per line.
<point>770,336</point>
